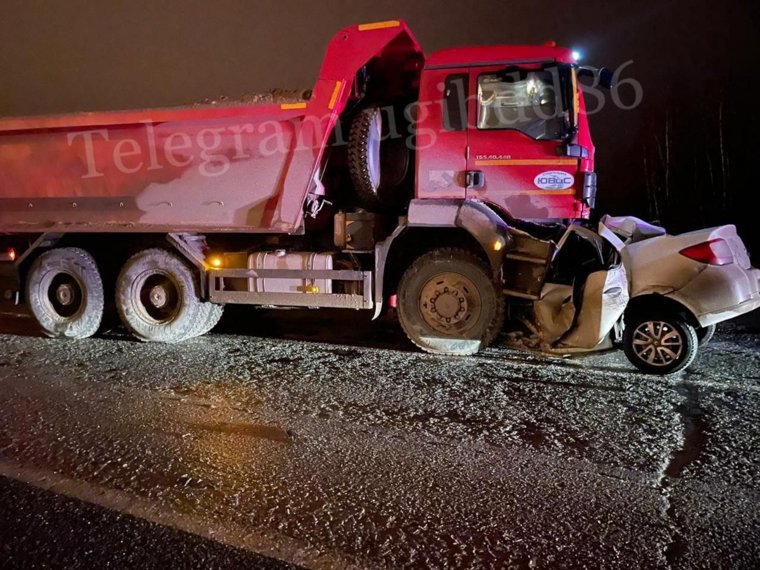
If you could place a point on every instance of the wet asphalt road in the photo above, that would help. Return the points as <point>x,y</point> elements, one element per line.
<point>322,441</point>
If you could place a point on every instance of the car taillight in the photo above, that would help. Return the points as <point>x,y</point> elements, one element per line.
<point>9,255</point>
<point>713,252</point>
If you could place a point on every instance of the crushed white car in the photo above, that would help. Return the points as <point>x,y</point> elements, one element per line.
<point>660,295</point>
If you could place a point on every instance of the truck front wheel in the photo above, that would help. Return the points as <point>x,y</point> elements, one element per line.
<point>64,291</point>
<point>448,303</point>
<point>157,299</point>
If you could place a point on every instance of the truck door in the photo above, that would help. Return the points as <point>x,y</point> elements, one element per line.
<point>441,139</point>
<point>521,118</point>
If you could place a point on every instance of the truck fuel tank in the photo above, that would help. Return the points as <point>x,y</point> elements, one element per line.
<point>282,260</point>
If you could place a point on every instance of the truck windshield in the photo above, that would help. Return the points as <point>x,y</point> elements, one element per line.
<point>536,102</point>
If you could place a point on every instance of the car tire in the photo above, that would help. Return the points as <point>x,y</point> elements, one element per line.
<point>157,298</point>
<point>659,342</point>
<point>448,303</point>
<point>705,334</point>
<point>379,164</point>
<point>64,292</point>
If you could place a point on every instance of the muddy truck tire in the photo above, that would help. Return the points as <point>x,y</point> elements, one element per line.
<point>157,297</point>
<point>448,303</point>
<point>64,291</point>
<point>378,160</point>
<point>211,314</point>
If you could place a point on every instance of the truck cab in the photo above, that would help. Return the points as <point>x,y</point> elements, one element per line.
<point>506,125</point>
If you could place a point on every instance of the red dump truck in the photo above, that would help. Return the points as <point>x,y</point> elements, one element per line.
<point>430,183</point>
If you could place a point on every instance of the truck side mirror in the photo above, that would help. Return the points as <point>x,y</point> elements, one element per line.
<point>604,76</point>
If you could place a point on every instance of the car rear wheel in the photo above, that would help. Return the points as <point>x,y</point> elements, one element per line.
<point>157,299</point>
<point>448,303</point>
<point>64,291</point>
<point>659,343</point>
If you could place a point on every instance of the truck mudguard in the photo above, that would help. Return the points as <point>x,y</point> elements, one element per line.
<point>476,218</point>
<point>480,221</point>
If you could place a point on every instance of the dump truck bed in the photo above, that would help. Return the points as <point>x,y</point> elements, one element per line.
<point>154,170</point>
<point>230,168</point>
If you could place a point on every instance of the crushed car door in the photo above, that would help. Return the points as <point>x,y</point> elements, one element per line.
<point>586,293</point>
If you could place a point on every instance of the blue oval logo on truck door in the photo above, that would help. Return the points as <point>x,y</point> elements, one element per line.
<point>554,180</point>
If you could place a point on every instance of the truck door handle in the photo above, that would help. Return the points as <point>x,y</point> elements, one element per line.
<point>475,179</point>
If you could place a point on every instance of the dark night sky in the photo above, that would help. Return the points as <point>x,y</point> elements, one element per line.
<point>690,56</point>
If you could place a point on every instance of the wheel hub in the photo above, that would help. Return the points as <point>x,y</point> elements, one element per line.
<point>657,343</point>
<point>450,303</point>
<point>158,296</point>
<point>64,293</point>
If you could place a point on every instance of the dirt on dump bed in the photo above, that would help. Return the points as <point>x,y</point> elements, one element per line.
<point>271,97</point>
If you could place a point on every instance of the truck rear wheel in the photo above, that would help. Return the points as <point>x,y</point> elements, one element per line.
<point>211,315</point>
<point>157,299</point>
<point>449,304</point>
<point>64,291</point>
<point>215,314</point>
<point>378,162</point>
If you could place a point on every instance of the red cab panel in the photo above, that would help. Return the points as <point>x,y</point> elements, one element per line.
<point>512,112</point>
